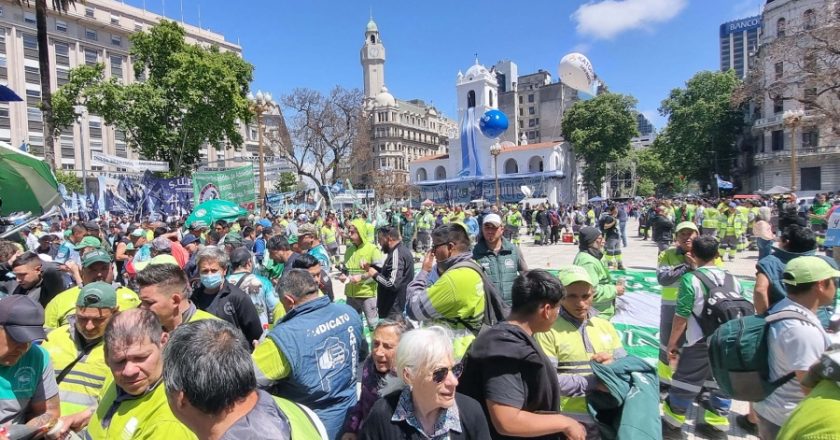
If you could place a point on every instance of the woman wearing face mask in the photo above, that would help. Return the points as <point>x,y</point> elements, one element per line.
<point>421,402</point>
<point>381,364</point>
<point>222,299</point>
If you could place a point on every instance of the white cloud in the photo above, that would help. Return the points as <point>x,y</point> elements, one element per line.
<point>607,18</point>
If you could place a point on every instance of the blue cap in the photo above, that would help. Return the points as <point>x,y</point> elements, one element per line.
<point>189,238</point>
<point>264,223</point>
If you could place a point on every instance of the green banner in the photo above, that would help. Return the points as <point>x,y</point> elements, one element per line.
<point>235,184</point>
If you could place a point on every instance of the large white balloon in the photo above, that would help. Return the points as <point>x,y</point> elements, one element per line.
<point>576,71</point>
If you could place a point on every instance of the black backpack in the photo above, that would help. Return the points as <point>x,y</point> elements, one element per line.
<point>495,309</point>
<point>723,303</point>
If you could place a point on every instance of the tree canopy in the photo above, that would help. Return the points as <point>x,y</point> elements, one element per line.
<point>703,127</point>
<point>600,130</point>
<point>187,96</point>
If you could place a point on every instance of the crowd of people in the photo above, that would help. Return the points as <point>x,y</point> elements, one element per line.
<point>111,328</point>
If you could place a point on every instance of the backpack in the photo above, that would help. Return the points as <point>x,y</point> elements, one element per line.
<point>723,303</point>
<point>495,309</point>
<point>739,358</point>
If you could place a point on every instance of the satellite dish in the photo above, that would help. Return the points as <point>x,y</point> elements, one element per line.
<point>526,190</point>
<point>576,71</point>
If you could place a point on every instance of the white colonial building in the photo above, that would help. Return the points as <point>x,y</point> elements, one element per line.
<point>468,171</point>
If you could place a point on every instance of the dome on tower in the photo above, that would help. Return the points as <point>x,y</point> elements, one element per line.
<point>371,26</point>
<point>385,99</point>
<point>476,70</point>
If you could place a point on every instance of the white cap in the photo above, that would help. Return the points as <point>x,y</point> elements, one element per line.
<point>492,218</point>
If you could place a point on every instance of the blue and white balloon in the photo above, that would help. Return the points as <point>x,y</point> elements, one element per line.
<point>493,123</point>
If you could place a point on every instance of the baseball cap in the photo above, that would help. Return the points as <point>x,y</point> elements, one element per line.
<point>239,257</point>
<point>98,295</point>
<point>188,239</point>
<point>307,229</point>
<point>809,269</point>
<point>293,239</point>
<point>139,232</point>
<point>687,225</point>
<point>22,318</point>
<point>162,244</point>
<point>733,205</point>
<point>573,274</point>
<point>492,218</point>
<point>403,209</point>
<point>95,256</point>
<point>303,218</point>
<point>266,223</point>
<point>163,259</point>
<point>89,242</point>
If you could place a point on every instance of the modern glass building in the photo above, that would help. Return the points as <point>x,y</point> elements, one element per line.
<point>738,41</point>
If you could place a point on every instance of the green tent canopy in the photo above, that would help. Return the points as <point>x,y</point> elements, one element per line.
<point>26,183</point>
<point>208,212</point>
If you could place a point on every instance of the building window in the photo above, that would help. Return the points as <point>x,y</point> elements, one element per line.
<point>89,12</point>
<point>62,75</point>
<point>5,121</point>
<point>29,17</point>
<point>777,139</point>
<point>809,98</point>
<point>95,129</point>
<point>90,34</point>
<point>116,67</point>
<point>778,105</point>
<point>68,166</point>
<point>521,111</point>
<point>32,76</point>
<point>520,99</point>
<point>780,27</point>
<point>531,123</point>
<point>810,19</point>
<point>440,173</point>
<point>531,98</point>
<point>511,167</point>
<point>116,40</point>
<point>535,164</point>
<point>780,70</point>
<point>811,178</point>
<point>1,11</point>
<point>30,46</point>
<point>61,26</point>
<point>115,19</point>
<point>810,138</point>
<point>138,27</point>
<point>531,110</point>
<point>91,57</point>
<point>62,53</point>
<point>471,99</point>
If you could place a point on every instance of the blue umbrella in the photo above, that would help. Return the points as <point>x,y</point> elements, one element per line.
<point>596,199</point>
<point>8,95</point>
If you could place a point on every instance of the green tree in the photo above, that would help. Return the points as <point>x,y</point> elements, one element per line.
<point>703,126</point>
<point>600,130</point>
<point>188,96</point>
<point>60,6</point>
<point>287,182</point>
<point>70,181</point>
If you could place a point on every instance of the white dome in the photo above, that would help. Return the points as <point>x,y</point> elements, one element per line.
<point>371,26</point>
<point>476,70</point>
<point>385,99</point>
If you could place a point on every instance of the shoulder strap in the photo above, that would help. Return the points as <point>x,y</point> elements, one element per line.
<point>70,366</point>
<point>241,280</point>
<point>786,314</point>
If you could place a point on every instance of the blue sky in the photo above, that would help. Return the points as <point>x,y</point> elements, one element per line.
<point>639,47</point>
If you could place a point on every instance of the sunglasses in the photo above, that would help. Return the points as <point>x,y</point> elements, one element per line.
<point>435,246</point>
<point>439,375</point>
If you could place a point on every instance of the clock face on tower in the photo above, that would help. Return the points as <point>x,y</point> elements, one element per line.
<point>374,51</point>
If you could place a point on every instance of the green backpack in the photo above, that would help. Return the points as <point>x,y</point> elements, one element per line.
<point>739,356</point>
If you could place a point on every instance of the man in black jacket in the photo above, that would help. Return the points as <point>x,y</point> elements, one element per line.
<point>394,275</point>
<point>38,279</point>
<point>663,229</point>
<point>216,296</point>
<point>508,373</point>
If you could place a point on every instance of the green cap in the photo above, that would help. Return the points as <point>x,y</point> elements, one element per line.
<point>803,270</point>
<point>687,225</point>
<point>89,242</point>
<point>129,247</point>
<point>292,239</point>
<point>97,295</point>
<point>95,256</point>
<point>573,274</point>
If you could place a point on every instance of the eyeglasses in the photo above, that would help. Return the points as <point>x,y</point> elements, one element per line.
<point>435,246</point>
<point>439,375</point>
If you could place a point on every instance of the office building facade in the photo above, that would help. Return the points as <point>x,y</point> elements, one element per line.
<point>94,31</point>
<point>738,44</point>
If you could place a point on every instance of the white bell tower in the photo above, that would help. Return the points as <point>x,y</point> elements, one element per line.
<point>373,61</point>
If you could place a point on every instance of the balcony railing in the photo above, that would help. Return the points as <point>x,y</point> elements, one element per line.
<point>800,152</point>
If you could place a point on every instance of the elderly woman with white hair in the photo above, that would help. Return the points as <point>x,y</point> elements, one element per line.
<point>421,402</point>
<point>763,232</point>
<point>218,297</point>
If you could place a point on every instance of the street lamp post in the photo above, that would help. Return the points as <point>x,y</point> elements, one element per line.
<point>495,150</point>
<point>80,111</point>
<point>793,119</point>
<point>259,104</point>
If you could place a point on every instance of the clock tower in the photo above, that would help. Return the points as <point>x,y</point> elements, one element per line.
<point>373,61</point>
